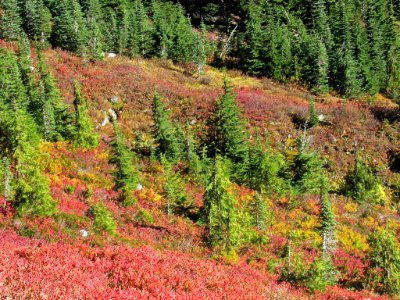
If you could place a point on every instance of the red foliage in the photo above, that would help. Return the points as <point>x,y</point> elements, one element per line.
<point>79,272</point>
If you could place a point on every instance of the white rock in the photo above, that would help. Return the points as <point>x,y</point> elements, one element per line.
<point>111,55</point>
<point>32,68</point>
<point>139,187</point>
<point>83,233</point>
<point>112,114</point>
<point>321,117</point>
<point>114,99</point>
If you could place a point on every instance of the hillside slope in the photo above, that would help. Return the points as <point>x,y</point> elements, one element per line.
<point>157,255</point>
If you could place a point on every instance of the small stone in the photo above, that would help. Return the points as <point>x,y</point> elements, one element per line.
<point>139,187</point>
<point>83,233</point>
<point>114,99</point>
<point>111,55</point>
<point>321,117</point>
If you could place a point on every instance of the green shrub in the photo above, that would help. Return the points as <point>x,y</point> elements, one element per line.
<point>102,218</point>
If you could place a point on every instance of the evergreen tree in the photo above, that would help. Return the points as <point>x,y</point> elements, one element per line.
<point>172,188</point>
<point>219,212</point>
<point>50,111</point>
<point>70,32</point>
<point>20,142</point>
<point>94,21</point>
<point>84,135</point>
<point>255,33</point>
<point>312,114</point>
<point>226,134</point>
<point>10,20</point>
<point>37,21</point>
<point>362,184</point>
<point>7,177</point>
<point>200,50</point>
<point>164,132</point>
<point>144,29</point>
<point>384,256</point>
<point>126,175</point>
<point>328,223</point>
<point>306,169</point>
<point>32,193</point>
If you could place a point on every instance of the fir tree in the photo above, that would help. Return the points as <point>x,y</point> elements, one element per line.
<point>200,50</point>
<point>50,108</point>
<point>37,21</point>
<point>226,134</point>
<point>84,135</point>
<point>306,168</point>
<point>255,34</point>
<point>126,175</point>
<point>94,25</point>
<point>362,184</point>
<point>70,32</point>
<point>172,188</point>
<point>384,255</point>
<point>7,177</point>
<point>10,20</point>
<point>219,212</point>
<point>312,114</point>
<point>164,132</point>
<point>32,193</point>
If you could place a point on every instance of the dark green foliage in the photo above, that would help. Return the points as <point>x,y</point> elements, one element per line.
<point>384,256</point>
<point>125,175</point>
<point>37,21</point>
<point>10,20</point>
<point>173,188</point>
<point>20,143</point>
<point>70,32</point>
<point>219,212</point>
<point>362,184</point>
<point>326,215</point>
<point>262,172</point>
<point>312,114</point>
<point>102,218</point>
<point>49,110</point>
<point>165,134</point>
<point>320,275</point>
<point>83,135</point>
<point>226,135</point>
<point>94,24</point>
<point>304,173</point>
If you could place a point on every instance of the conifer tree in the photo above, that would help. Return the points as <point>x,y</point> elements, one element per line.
<point>32,193</point>
<point>226,134</point>
<point>70,32</point>
<point>84,135</point>
<point>50,108</point>
<point>37,21</point>
<point>182,37</point>
<point>255,33</point>
<point>200,50</point>
<point>164,132</point>
<point>94,21</point>
<point>7,177</point>
<point>384,255</point>
<point>262,175</point>
<point>144,29</point>
<point>219,212</point>
<point>10,20</point>
<point>126,175</point>
<point>173,188</point>
<point>312,114</point>
<point>362,184</point>
<point>306,169</point>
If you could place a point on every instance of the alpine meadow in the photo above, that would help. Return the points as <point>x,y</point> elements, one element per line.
<point>214,149</point>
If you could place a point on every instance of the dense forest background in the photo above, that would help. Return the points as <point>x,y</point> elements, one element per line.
<point>349,47</point>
